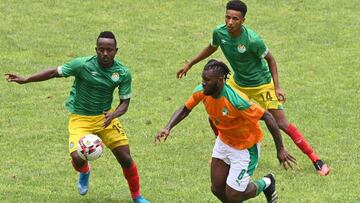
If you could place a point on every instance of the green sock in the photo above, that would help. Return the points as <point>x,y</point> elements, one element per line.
<point>260,186</point>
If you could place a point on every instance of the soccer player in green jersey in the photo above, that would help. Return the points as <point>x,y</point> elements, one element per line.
<point>255,72</point>
<point>89,104</point>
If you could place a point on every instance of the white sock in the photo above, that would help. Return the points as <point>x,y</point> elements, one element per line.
<point>267,181</point>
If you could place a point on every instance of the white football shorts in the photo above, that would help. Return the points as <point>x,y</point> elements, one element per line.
<point>242,163</point>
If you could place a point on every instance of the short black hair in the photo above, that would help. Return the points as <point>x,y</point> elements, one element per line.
<point>107,34</point>
<point>237,5</point>
<point>218,66</point>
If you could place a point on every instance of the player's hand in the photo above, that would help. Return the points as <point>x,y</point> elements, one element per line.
<point>161,135</point>
<point>108,118</point>
<point>280,94</point>
<point>286,159</point>
<point>182,72</point>
<point>15,78</point>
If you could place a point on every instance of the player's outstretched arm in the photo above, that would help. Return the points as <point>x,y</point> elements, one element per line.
<point>201,56</point>
<point>37,77</point>
<point>285,159</point>
<point>178,116</point>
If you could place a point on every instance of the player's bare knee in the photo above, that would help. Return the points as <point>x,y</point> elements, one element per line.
<point>280,118</point>
<point>77,160</point>
<point>125,163</point>
<point>123,157</point>
<point>75,156</point>
<point>283,124</point>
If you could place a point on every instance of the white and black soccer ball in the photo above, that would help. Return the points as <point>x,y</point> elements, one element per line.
<point>90,147</point>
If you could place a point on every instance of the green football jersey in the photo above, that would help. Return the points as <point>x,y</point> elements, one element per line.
<point>245,54</point>
<point>92,91</point>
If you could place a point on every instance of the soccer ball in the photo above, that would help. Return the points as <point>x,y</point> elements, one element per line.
<point>90,147</point>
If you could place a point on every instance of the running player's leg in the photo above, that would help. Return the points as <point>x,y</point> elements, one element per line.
<point>83,168</point>
<point>79,126</point>
<point>242,166</point>
<point>219,173</point>
<point>231,170</point>
<point>266,97</point>
<point>293,133</point>
<point>253,189</point>
<point>115,138</point>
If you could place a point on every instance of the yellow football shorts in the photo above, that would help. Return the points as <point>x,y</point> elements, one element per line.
<point>264,95</point>
<point>112,136</point>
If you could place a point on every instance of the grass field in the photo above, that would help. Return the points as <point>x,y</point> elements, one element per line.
<point>316,45</point>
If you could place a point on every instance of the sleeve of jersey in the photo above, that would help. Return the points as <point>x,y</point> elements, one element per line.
<point>194,100</point>
<point>215,41</point>
<point>254,112</point>
<point>125,86</point>
<point>259,48</point>
<point>71,68</point>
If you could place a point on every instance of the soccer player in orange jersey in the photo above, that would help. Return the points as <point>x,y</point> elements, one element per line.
<point>237,148</point>
<point>254,72</point>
